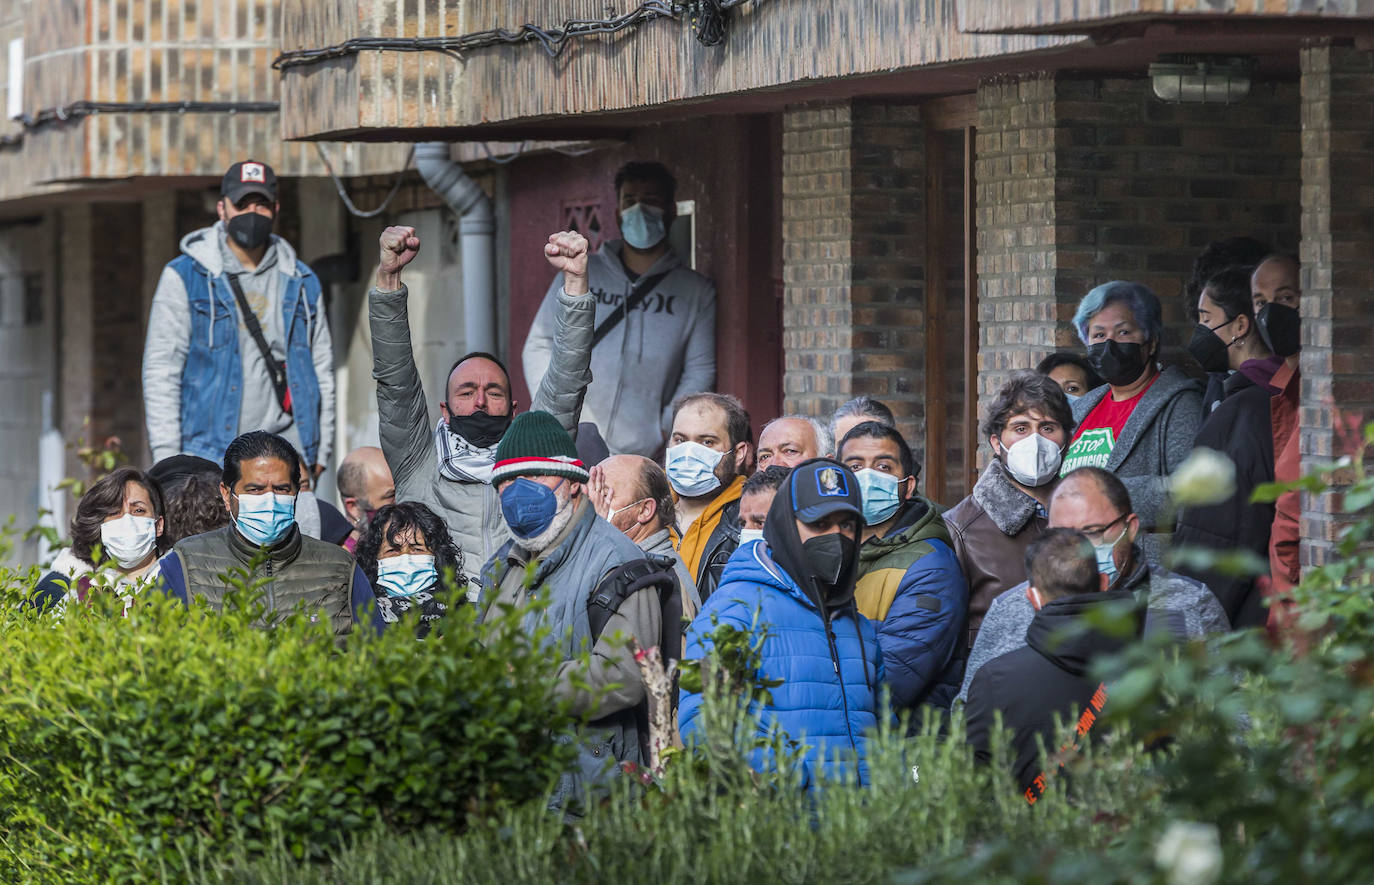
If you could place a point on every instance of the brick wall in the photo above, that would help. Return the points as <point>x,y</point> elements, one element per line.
<point>1337,272</point>
<point>1020,306</point>
<point>818,272</point>
<point>853,250</point>
<point>1082,181</point>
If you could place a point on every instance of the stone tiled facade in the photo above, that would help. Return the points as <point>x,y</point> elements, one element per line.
<point>1337,273</point>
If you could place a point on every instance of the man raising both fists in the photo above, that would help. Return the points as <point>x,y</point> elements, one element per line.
<point>448,466</point>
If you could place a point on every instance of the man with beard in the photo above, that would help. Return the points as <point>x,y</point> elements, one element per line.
<point>794,593</point>
<point>706,462</point>
<point>448,467</point>
<point>560,552</point>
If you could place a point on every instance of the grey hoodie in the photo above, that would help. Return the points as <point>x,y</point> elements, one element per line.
<point>1155,441</point>
<point>664,349</point>
<point>169,333</point>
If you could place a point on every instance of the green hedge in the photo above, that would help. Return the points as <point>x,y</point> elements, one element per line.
<point>129,744</point>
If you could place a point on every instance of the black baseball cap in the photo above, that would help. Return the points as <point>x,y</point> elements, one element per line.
<point>249,177</point>
<point>820,487</point>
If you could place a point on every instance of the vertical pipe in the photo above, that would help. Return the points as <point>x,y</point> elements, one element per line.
<point>477,229</point>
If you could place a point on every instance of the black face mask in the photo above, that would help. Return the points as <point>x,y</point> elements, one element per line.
<point>1208,349</point>
<point>829,557</point>
<point>1118,362</point>
<point>479,428</point>
<point>250,230</point>
<point>1280,327</point>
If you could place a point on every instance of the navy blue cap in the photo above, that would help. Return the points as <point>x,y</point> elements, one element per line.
<point>821,487</point>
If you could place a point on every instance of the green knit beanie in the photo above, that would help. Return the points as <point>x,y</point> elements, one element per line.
<point>537,445</point>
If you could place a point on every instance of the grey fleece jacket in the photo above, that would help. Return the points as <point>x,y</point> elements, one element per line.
<point>1155,441</point>
<point>1010,616</point>
<point>664,349</point>
<point>169,333</point>
<point>470,509</point>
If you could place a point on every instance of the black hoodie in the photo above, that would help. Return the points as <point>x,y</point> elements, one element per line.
<point>1046,677</point>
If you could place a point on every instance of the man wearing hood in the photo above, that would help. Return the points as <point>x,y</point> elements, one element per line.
<point>561,551</point>
<point>448,466</point>
<point>655,335</point>
<point>1048,677</point>
<point>909,580</point>
<point>237,335</point>
<point>795,590</point>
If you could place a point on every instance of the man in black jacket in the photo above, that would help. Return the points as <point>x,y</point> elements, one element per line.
<point>1049,677</point>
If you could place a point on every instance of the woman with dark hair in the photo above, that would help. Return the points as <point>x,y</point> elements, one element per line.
<point>1072,372</point>
<point>406,554</point>
<point>122,517</point>
<point>1227,339</point>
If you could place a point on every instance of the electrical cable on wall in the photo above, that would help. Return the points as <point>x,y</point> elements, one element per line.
<point>78,109</point>
<point>707,18</point>
<point>343,194</point>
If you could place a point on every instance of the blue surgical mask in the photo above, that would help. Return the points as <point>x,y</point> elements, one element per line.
<point>1106,560</point>
<point>404,576</point>
<point>691,469</point>
<point>642,226</point>
<point>528,507</point>
<point>265,519</point>
<point>748,535</point>
<point>880,493</point>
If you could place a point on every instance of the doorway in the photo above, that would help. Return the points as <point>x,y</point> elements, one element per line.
<point>951,291</point>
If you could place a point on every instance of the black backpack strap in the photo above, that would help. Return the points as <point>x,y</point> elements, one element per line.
<point>275,370</point>
<point>637,295</point>
<point>625,580</point>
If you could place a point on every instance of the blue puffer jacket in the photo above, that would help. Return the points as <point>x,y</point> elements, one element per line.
<point>827,701</point>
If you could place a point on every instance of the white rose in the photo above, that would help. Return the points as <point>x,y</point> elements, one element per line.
<point>1207,477</point>
<point>1190,853</point>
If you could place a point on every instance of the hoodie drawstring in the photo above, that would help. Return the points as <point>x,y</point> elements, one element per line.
<point>863,653</point>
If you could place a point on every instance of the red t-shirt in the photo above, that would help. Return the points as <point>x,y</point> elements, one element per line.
<point>1099,430</point>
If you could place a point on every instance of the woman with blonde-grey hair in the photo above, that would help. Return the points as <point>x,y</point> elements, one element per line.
<point>1141,424</point>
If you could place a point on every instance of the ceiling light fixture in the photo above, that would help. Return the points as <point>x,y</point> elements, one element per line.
<point>1197,79</point>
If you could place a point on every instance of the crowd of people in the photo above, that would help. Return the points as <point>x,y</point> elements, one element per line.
<point>865,598</point>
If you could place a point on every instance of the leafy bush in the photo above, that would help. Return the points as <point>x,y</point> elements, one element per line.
<point>129,745</point>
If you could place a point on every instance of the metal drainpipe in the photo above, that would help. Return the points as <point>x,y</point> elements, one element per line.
<point>477,231</point>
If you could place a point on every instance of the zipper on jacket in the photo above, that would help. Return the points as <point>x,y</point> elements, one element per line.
<point>271,595</point>
<point>844,696</point>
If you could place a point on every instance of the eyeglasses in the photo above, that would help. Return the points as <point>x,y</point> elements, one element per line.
<point>1097,533</point>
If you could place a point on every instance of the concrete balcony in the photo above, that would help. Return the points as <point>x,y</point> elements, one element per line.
<point>1081,16</point>
<point>519,91</point>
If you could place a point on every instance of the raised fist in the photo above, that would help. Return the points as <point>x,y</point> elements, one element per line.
<point>399,246</point>
<point>567,251</point>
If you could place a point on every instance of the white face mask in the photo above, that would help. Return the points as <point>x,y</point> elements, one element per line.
<point>1033,460</point>
<point>691,469</point>
<point>747,535</point>
<point>129,539</point>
